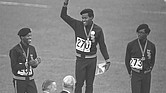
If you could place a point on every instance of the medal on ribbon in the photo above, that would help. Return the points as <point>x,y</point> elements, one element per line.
<point>142,51</point>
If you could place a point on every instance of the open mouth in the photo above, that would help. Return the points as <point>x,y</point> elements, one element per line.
<point>29,40</point>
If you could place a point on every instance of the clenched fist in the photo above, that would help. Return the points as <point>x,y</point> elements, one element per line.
<point>66,2</point>
<point>35,62</point>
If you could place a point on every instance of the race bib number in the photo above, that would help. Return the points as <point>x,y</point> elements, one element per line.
<point>136,63</point>
<point>24,72</point>
<point>83,45</point>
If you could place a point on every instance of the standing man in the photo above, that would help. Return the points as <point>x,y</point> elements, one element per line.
<point>140,59</point>
<point>87,36</point>
<point>23,60</point>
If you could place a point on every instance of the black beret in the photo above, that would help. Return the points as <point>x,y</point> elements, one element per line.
<point>89,11</point>
<point>24,31</point>
<point>144,26</point>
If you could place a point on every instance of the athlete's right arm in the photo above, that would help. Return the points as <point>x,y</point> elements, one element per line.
<point>14,61</point>
<point>127,59</point>
<point>66,17</point>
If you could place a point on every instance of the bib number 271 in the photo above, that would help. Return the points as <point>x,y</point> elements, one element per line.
<point>83,45</point>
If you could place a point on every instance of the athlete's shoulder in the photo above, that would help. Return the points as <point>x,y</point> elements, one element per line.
<point>133,42</point>
<point>97,27</point>
<point>31,47</point>
<point>16,47</point>
<point>151,43</point>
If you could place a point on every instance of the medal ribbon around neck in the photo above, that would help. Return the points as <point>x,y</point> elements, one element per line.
<point>26,55</point>
<point>88,35</point>
<point>142,51</point>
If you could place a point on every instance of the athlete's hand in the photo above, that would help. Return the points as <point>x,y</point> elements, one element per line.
<point>33,63</point>
<point>107,65</point>
<point>147,71</point>
<point>38,60</point>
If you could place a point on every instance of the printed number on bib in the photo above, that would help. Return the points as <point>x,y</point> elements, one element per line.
<point>83,45</point>
<point>136,63</point>
<point>24,72</point>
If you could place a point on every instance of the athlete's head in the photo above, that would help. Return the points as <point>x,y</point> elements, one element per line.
<point>87,16</point>
<point>143,31</point>
<point>25,35</point>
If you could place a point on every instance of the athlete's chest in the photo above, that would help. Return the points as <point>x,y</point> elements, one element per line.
<point>86,38</point>
<point>25,54</point>
<point>146,51</point>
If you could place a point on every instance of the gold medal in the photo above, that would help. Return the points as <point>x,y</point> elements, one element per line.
<point>87,39</point>
<point>143,58</point>
<point>88,35</point>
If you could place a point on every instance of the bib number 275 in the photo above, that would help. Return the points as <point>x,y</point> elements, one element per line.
<point>83,45</point>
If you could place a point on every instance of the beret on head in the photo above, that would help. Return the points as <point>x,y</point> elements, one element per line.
<point>69,81</point>
<point>89,11</point>
<point>46,84</point>
<point>24,31</point>
<point>144,26</point>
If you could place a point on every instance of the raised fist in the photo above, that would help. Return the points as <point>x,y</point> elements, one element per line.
<point>66,2</point>
<point>38,60</point>
<point>33,63</point>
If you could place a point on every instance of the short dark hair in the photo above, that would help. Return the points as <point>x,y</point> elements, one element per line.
<point>89,11</point>
<point>144,26</point>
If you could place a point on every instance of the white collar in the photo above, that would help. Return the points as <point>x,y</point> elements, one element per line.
<point>66,90</point>
<point>45,92</point>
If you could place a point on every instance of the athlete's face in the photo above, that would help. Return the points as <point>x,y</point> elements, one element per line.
<point>86,19</point>
<point>27,39</point>
<point>141,34</point>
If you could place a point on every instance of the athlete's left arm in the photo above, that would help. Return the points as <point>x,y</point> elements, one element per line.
<point>102,45</point>
<point>103,50</point>
<point>153,56</point>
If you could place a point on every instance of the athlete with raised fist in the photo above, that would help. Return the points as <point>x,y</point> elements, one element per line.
<point>87,36</point>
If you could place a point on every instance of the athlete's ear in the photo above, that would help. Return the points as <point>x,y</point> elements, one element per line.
<point>147,34</point>
<point>21,37</point>
<point>91,18</point>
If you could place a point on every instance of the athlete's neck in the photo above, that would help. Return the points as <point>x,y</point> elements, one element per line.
<point>25,45</point>
<point>142,41</point>
<point>89,25</point>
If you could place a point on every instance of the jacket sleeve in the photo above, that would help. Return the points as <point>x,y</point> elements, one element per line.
<point>102,46</point>
<point>127,59</point>
<point>13,54</point>
<point>153,57</point>
<point>70,21</point>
